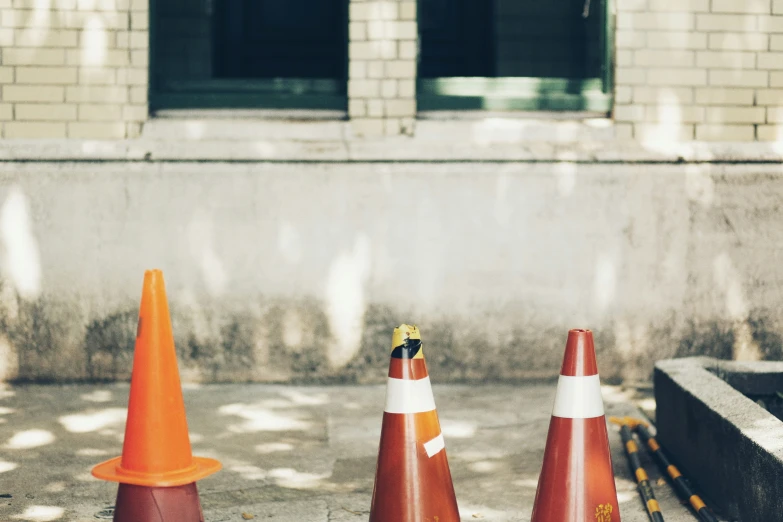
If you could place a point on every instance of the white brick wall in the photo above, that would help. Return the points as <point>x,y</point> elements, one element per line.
<point>685,69</point>
<point>73,68</point>
<point>382,70</point>
<point>701,69</point>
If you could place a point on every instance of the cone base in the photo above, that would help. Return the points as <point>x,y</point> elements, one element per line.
<point>143,504</point>
<point>577,480</point>
<point>111,470</point>
<point>410,485</point>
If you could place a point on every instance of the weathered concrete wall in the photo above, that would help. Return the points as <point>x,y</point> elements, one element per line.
<point>299,272</point>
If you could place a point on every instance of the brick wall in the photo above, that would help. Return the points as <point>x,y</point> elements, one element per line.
<point>685,69</point>
<point>382,66</point>
<point>73,68</point>
<point>710,70</point>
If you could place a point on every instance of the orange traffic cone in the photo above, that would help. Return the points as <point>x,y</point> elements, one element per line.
<point>577,481</point>
<point>157,471</point>
<point>412,481</point>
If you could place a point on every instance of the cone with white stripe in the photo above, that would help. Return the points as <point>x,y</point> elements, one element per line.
<point>577,482</point>
<point>412,481</point>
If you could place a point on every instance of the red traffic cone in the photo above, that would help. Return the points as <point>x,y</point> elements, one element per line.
<point>577,482</point>
<point>412,481</point>
<point>157,471</point>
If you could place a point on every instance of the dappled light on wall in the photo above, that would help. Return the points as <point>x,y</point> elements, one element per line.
<point>21,259</point>
<point>565,172</point>
<point>666,133</point>
<point>346,301</point>
<point>40,17</point>
<point>201,238</point>
<point>289,242</point>
<point>699,185</point>
<point>727,280</point>
<point>777,144</point>
<point>9,359</point>
<point>503,208</point>
<point>605,280</point>
<point>95,42</point>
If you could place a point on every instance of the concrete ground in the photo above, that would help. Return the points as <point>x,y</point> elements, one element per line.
<point>298,454</point>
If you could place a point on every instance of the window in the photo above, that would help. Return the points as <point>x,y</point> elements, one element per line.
<point>288,54</point>
<point>514,55</point>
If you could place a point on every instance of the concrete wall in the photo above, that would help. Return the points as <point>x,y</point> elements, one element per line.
<point>297,272</point>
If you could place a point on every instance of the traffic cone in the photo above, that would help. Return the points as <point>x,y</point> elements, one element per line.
<point>157,471</point>
<point>412,481</point>
<point>577,482</point>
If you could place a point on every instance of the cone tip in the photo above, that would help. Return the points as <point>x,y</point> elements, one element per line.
<point>579,358</point>
<point>402,345</point>
<point>404,332</point>
<point>154,283</point>
<point>153,275</point>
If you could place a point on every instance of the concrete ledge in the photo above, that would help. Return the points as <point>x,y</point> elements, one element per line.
<point>498,139</point>
<point>729,446</point>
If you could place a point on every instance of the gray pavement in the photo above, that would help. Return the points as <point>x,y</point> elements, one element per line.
<point>291,453</point>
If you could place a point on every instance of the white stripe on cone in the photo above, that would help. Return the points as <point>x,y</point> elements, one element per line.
<point>578,398</point>
<point>407,396</point>
<point>434,446</point>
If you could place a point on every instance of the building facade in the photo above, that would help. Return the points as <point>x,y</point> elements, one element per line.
<point>310,173</point>
<point>707,70</point>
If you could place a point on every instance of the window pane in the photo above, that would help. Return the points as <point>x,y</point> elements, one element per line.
<point>511,38</point>
<point>199,40</point>
<point>294,39</point>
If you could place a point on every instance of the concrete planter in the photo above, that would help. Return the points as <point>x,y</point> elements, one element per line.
<point>728,444</point>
